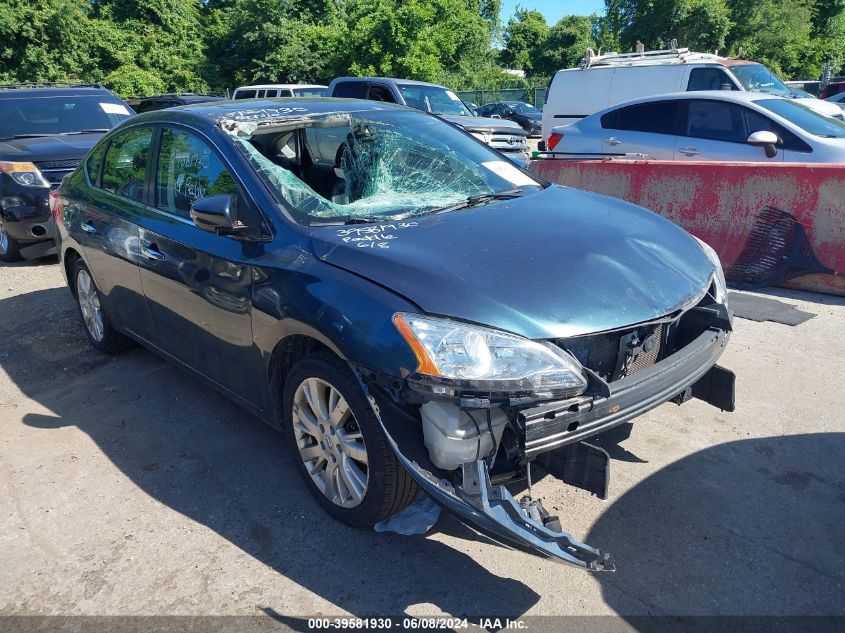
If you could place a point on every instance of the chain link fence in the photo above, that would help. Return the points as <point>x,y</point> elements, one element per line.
<point>485,96</point>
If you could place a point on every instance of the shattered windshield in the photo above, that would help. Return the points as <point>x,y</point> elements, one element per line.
<point>379,164</point>
<point>758,78</point>
<point>434,99</point>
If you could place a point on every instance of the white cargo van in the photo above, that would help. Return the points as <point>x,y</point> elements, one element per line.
<point>605,80</point>
<point>269,91</point>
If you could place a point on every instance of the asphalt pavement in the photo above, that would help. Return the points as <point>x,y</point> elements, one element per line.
<point>129,487</point>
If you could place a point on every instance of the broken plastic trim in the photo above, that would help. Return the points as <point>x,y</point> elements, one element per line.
<point>492,510</point>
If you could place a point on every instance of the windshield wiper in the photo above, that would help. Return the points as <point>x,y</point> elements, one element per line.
<point>357,219</point>
<point>481,198</point>
<point>15,136</point>
<point>88,131</point>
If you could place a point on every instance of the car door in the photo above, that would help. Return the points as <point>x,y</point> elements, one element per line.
<point>645,129</point>
<point>198,284</point>
<point>104,223</point>
<point>718,131</point>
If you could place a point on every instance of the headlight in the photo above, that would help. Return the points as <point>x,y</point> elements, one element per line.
<point>719,276</point>
<point>489,359</point>
<point>25,174</point>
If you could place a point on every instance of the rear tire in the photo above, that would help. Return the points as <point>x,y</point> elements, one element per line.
<point>95,321</point>
<point>9,247</point>
<point>334,450</point>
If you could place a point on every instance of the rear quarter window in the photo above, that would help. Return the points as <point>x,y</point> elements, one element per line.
<point>350,90</point>
<point>655,117</point>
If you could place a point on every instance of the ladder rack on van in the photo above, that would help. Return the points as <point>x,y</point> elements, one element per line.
<point>671,56</point>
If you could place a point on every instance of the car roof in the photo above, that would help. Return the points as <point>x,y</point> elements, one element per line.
<point>736,96</point>
<point>265,86</point>
<point>54,91</point>
<point>409,82</point>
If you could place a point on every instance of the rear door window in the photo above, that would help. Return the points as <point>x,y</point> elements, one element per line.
<point>655,117</point>
<point>715,121</point>
<point>376,92</point>
<point>708,79</point>
<point>188,170</point>
<point>350,90</point>
<point>125,167</point>
<point>245,94</point>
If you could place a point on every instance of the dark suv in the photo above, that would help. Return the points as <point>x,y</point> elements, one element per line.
<point>44,133</point>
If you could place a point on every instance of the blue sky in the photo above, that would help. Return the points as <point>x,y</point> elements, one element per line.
<point>554,10</point>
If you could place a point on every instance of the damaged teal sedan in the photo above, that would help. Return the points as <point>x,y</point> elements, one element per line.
<point>410,309</point>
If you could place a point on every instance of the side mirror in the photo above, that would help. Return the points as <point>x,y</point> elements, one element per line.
<point>726,86</point>
<point>214,214</point>
<point>767,140</point>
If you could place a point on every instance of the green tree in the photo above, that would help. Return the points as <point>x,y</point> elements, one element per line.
<point>524,36</point>
<point>565,45</point>
<point>44,40</point>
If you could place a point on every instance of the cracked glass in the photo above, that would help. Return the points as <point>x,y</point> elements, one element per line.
<point>381,164</point>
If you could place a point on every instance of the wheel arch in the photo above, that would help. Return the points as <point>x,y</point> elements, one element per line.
<point>286,353</point>
<point>69,258</point>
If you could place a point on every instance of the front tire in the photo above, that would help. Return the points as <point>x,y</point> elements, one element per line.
<point>339,447</point>
<point>98,327</point>
<point>9,247</point>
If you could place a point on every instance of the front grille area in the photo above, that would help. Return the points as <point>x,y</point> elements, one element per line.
<point>55,170</point>
<point>69,165</point>
<point>508,142</point>
<point>615,355</point>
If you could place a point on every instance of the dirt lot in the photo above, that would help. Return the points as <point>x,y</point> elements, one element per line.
<point>128,487</point>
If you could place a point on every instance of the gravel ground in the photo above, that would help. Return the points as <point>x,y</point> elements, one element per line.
<point>129,487</point>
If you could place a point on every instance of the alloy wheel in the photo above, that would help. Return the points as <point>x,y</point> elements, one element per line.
<point>89,304</point>
<point>330,442</point>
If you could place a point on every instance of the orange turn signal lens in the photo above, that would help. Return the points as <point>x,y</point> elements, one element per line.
<point>424,363</point>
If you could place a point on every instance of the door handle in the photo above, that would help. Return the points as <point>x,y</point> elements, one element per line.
<point>613,141</point>
<point>689,151</point>
<point>150,251</point>
<point>88,227</point>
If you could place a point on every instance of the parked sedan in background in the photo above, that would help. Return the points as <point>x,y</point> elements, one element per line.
<point>526,115</point>
<point>393,315</point>
<point>44,133</point>
<point>708,125</point>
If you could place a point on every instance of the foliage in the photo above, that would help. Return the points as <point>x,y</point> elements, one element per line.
<point>793,37</point>
<point>140,47</point>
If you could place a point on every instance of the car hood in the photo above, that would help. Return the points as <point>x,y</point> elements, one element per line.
<point>48,147</point>
<point>557,263</point>
<point>819,105</point>
<point>484,124</point>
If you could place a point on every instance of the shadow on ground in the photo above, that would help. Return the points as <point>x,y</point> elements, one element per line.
<point>753,527</point>
<point>204,457</point>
